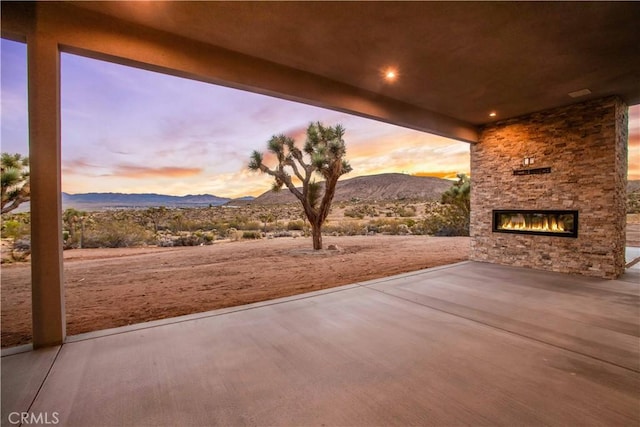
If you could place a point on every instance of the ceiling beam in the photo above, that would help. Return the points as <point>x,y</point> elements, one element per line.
<point>99,36</point>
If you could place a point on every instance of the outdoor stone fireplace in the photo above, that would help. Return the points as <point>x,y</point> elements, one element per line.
<point>534,177</point>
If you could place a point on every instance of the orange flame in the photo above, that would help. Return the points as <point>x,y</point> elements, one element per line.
<point>547,223</point>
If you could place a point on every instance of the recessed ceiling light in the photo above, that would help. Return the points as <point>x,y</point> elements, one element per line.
<point>579,93</point>
<point>493,114</point>
<point>390,74</point>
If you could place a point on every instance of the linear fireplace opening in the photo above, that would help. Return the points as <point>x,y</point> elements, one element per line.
<point>538,222</point>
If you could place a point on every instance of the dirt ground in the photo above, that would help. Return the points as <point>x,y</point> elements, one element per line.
<point>106,288</point>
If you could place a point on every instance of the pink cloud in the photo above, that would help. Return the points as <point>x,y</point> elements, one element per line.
<point>133,171</point>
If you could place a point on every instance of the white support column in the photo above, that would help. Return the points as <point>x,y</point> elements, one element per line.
<point>49,326</point>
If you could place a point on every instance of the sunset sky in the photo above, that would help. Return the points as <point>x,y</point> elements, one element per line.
<point>133,131</point>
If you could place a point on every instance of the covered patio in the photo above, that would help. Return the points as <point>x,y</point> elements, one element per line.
<point>481,343</point>
<point>470,343</point>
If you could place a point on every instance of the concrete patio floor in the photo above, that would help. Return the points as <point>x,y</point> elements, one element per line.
<point>466,344</point>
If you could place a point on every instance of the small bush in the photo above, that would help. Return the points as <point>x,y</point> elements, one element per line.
<point>14,229</point>
<point>349,228</point>
<point>405,211</point>
<point>409,222</point>
<point>361,211</point>
<point>446,220</point>
<point>353,213</point>
<point>116,235</point>
<point>295,225</point>
<point>23,245</point>
<point>252,235</point>
<point>385,226</point>
<point>633,202</point>
<point>198,238</point>
<point>252,225</point>
<point>189,240</point>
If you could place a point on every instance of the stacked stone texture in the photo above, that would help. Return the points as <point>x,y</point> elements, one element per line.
<point>585,145</point>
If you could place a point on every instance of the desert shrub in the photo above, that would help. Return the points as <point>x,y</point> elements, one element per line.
<point>240,222</point>
<point>185,239</point>
<point>251,235</point>
<point>384,226</point>
<point>446,220</point>
<point>404,211</point>
<point>354,213</point>
<point>251,225</point>
<point>188,240</point>
<point>207,237</point>
<point>120,234</point>
<point>164,242</point>
<point>633,202</point>
<point>407,212</point>
<point>234,225</point>
<point>268,228</point>
<point>295,225</point>
<point>18,252</point>
<point>234,234</point>
<point>348,228</point>
<point>179,223</point>
<point>23,244</point>
<point>197,238</point>
<point>418,228</point>
<point>403,229</point>
<point>409,222</point>
<point>361,211</point>
<point>15,229</point>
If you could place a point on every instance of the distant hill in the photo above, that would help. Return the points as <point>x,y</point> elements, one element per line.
<point>95,201</point>
<point>388,186</point>
<point>633,186</point>
<point>240,201</point>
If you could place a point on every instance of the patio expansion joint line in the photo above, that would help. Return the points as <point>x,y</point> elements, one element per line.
<point>373,282</point>
<point>632,263</point>
<point>44,380</point>
<point>505,330</point>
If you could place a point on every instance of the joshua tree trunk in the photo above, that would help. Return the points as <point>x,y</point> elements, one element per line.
<point>316,232</point>
<point>81,233</point>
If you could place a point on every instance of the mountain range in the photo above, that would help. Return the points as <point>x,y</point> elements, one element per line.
<point>95,201</point>
<point>382,187</point>
<point>390,186</point>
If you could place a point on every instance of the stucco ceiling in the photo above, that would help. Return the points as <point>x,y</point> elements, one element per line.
<point>456,58</point>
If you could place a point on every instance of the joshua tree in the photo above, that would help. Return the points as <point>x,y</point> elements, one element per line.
<point>323,153</point>
<point>155,216</point>
<point>72,217</point>
<point>15,181</point>
<point>266,218</point>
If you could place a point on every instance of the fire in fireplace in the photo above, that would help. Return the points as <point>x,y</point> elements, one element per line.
<point>538,222</point>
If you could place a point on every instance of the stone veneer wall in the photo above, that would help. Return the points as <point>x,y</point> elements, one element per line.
<point>586,147</point>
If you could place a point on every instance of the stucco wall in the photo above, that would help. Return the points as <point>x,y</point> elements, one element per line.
<point>585,145</point>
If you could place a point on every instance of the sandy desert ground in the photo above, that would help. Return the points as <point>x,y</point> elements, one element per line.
<point>106,288</point>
